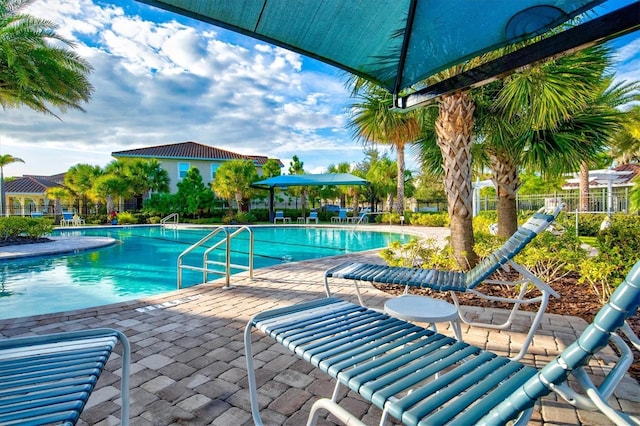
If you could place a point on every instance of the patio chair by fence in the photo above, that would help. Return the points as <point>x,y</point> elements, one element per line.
<point>342,216</point>
<point>77,220</point>
<point>67,219</point>
<point>468,282</point>
<point>312,216</point>
<point>48,379</point>
<point>280,216</point>
<point>422,377</point>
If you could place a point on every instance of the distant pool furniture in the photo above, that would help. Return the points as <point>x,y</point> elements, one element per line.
<point>362,217</point>
<point>36,214</point>
<point>341,218</point>
<point>280,216</point>
<point>48,379</point>
<point>457,282</point>
<point>421,377</point>
<point>66,219</point>
<point>313,216</point>
<point>77,220</point>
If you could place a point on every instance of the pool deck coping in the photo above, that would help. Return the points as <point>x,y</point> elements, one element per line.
<point>188,363</point>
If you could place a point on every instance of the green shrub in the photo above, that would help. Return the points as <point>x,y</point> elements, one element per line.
<point>126,218</point>
<point>419,253</point>
<point>619,245</point>
<point>390,218</point>
<point>428,219</point>
<point>15,226</point>
<point>550,256</point>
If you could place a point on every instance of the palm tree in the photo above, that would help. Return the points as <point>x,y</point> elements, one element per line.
<point>626,142</point>
<point>5,160</point>
<point>233,181</point>
<point>36,67</point>
<point>79,180</point>
<point>454,131</point>
<point>374,122</point>
<point>555,117</point>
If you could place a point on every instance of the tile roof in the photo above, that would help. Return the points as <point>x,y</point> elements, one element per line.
<point>190,151</point>
<point>29,184</point>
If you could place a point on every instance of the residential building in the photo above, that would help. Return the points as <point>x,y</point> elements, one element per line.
<point>27,194</point>
<point>178,158</point>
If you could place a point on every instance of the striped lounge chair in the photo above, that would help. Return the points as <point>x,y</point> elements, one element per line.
<point>467,282</point>
<point>421,377</point>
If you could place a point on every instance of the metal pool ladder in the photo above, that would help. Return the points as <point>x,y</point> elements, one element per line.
<point>224,242</point>
<point>173,217</point>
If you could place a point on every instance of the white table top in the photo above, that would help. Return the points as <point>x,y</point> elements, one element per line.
<point>421,309</point>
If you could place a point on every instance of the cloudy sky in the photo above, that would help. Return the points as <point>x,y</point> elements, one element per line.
<point>161,78</point>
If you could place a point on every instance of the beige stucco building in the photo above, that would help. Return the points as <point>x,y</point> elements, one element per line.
<point>178,158</point>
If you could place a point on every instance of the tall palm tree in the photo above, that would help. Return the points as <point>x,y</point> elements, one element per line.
<point>553,117</point>
<point>374,122</point>
<point>5,160</point>
<point>79,180</point>
<point>37,68</point>
<point>454,130</point>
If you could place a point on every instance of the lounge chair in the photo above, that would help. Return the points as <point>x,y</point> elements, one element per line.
<point>77,220</point>
<point>67,219</point>
<point>362,217</point>
<point>48,379</point>
<point>36,215</point>
<point>467,282</point>
<point>280,216</point>
<point>342,217</point>
<point>422,377</point>
<point>312,216</point>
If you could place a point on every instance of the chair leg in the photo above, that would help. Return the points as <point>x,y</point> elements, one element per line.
<point>251,376</point>
<point>342,414</point>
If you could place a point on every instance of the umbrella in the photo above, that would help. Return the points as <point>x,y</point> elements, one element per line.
<point>399,43</point>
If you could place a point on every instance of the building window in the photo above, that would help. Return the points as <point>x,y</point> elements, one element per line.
<point>214,167</point>
<point>183,168</point>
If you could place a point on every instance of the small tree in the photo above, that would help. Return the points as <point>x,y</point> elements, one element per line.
<point>232,181</point>
<point>193,196</point>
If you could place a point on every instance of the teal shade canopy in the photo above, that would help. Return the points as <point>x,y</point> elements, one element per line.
<point>394,43</point>
<point>310,180</point>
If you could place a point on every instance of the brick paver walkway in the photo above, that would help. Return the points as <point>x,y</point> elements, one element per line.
<point>188,364</point>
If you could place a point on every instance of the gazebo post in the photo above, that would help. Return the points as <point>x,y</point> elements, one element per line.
<point>271,199</point>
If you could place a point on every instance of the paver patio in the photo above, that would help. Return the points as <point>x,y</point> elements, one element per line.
<point>188,364</point>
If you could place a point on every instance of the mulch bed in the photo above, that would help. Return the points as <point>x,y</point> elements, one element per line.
<point>575,299</point>
<point>23,240</point>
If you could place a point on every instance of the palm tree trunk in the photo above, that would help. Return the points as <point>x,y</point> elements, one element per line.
<point>584,187</point>
<point>454,127</point>
<point>2,200</point>
<point>506,181</point>
<point>401,167</point>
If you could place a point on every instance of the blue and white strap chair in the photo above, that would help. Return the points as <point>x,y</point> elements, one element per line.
<point>48,379</point>
<point>421,377</point>
<point>467,282</point>
<point>313,215</point>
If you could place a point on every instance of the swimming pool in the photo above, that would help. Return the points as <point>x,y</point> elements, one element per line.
<point>144,263</point>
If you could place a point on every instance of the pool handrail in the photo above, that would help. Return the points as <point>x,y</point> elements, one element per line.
<point>227,263</point>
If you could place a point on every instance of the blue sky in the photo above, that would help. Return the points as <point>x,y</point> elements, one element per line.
<point>161,78</point>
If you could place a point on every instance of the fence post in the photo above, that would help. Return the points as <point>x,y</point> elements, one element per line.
<point>577,233</point>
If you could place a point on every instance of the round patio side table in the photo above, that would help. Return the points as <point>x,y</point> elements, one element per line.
<point>424,309</point>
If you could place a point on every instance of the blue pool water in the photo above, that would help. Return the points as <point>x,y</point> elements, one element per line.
<point>144,263</point>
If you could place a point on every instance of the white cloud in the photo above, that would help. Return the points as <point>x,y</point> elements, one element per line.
<point>176,80</point>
